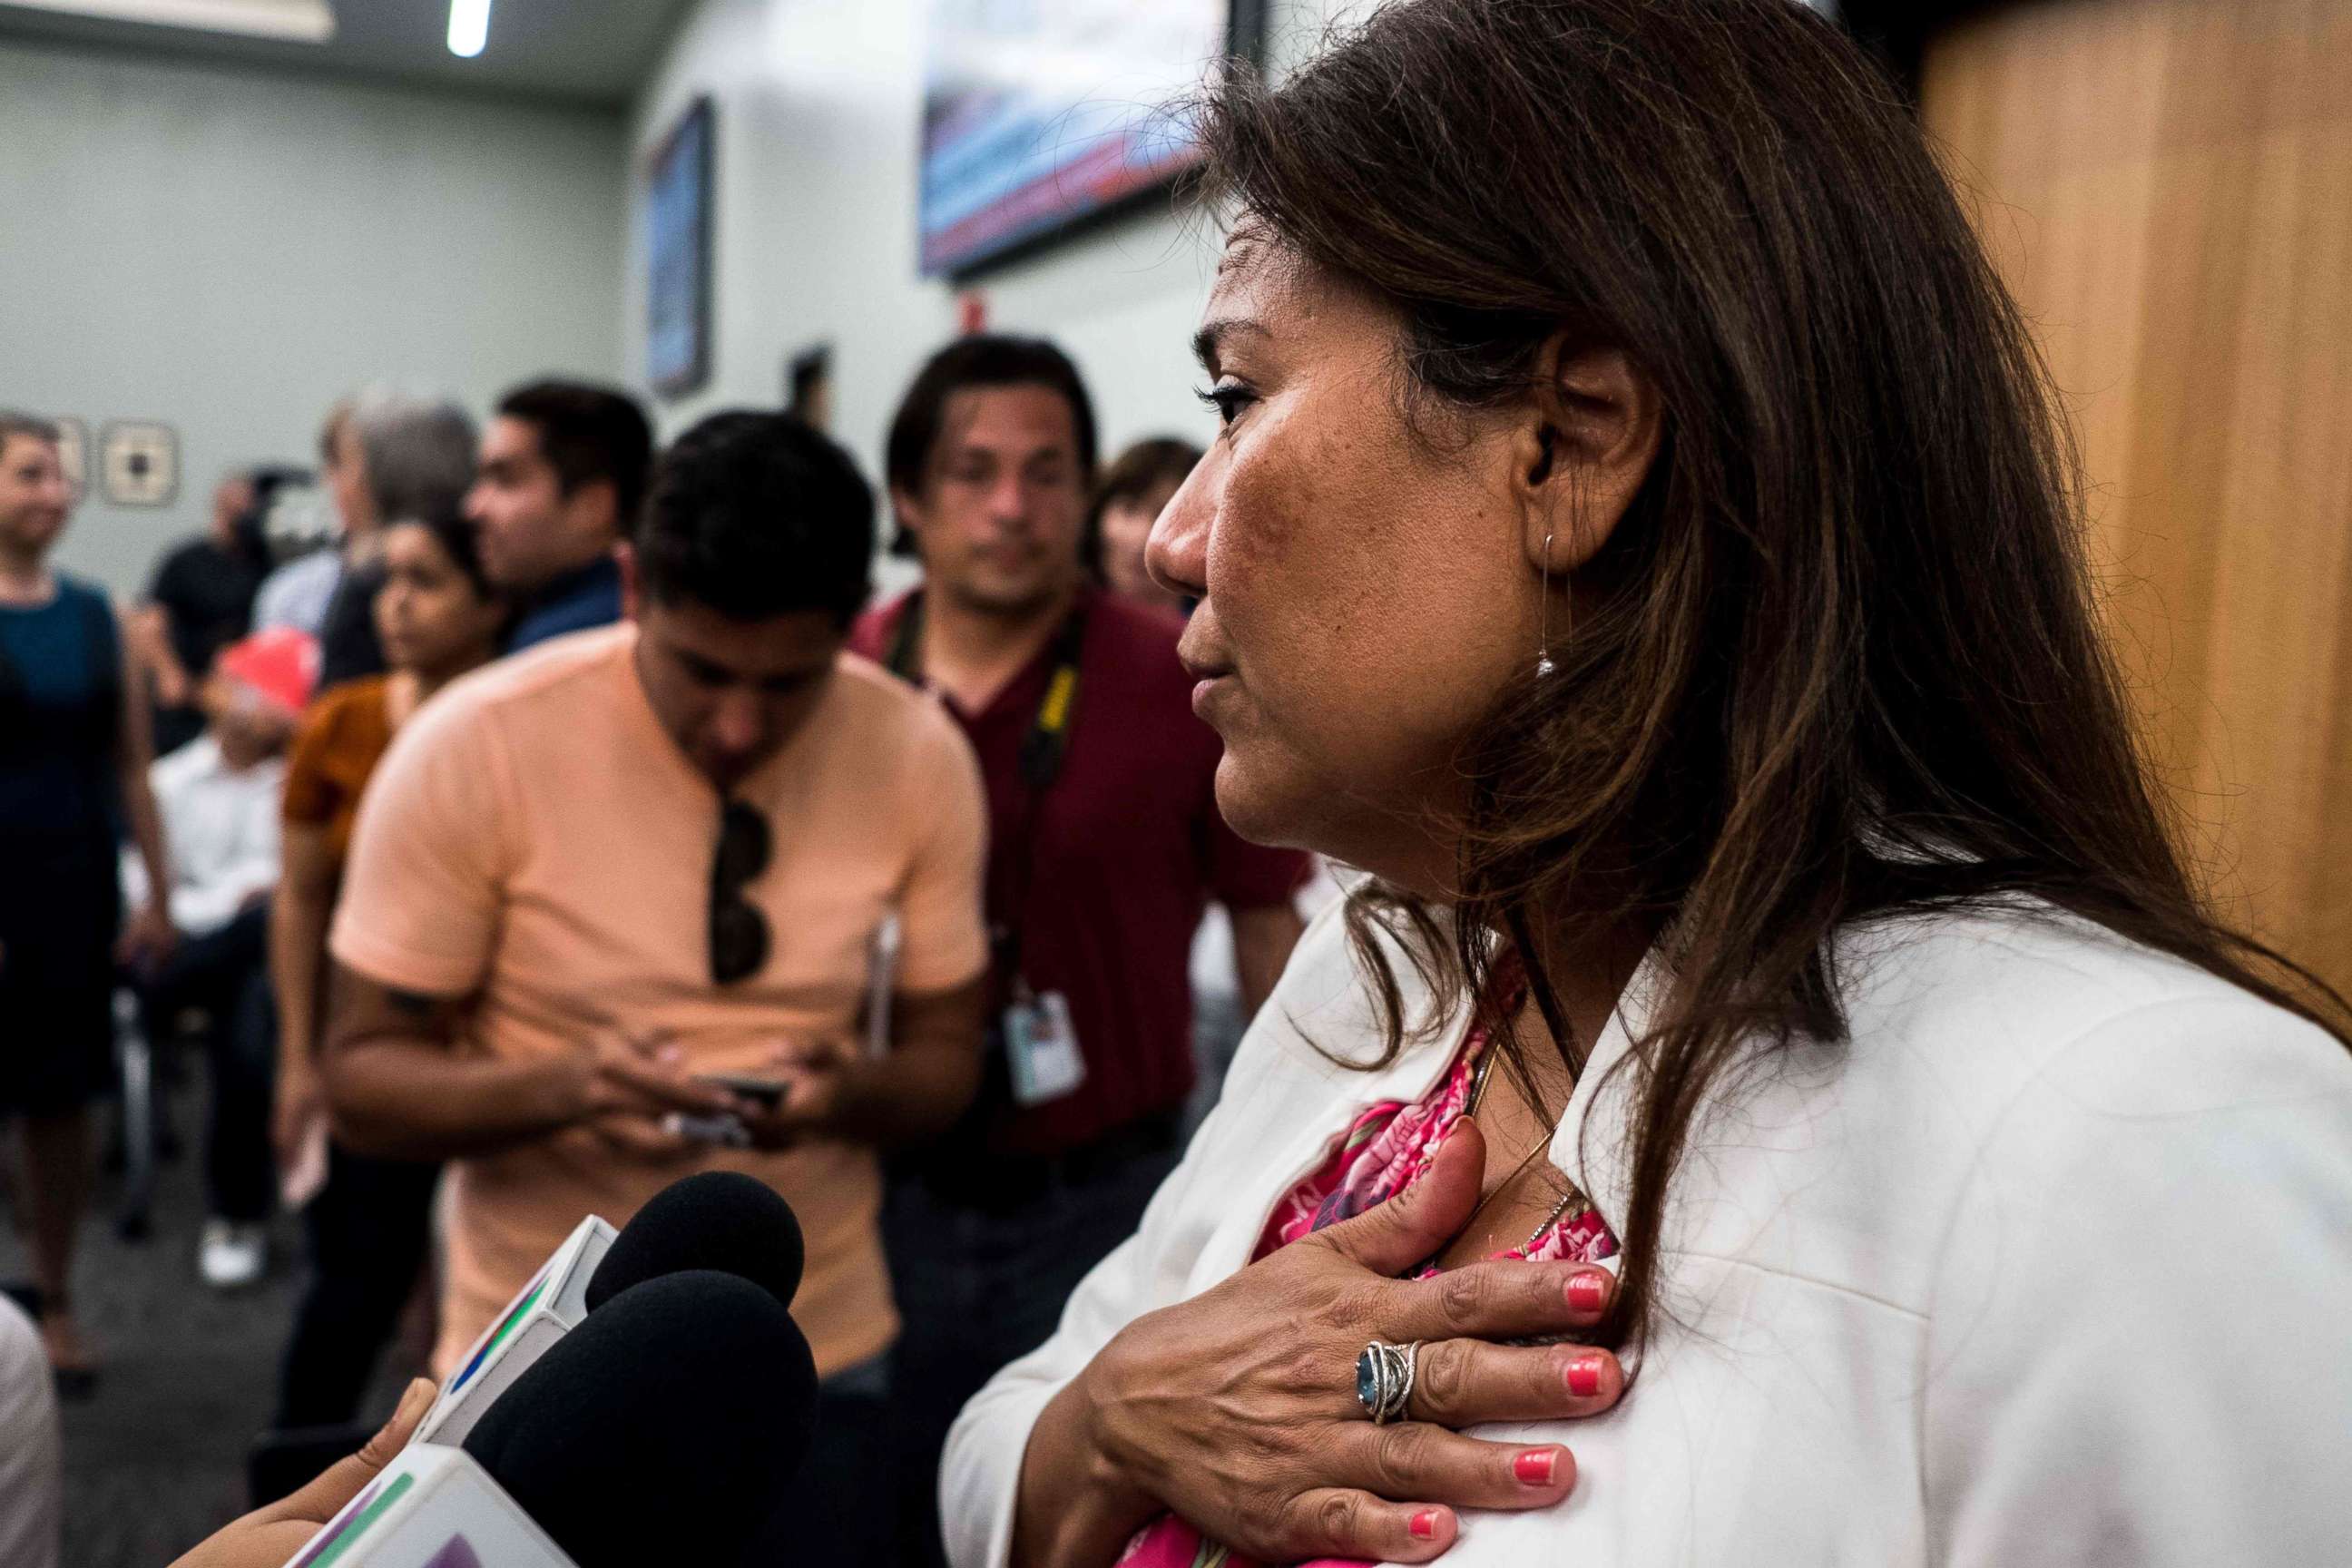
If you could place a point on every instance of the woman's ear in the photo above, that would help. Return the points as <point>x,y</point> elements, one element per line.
<point>1592,431</point>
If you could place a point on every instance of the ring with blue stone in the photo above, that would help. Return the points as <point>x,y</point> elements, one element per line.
<point>1384,1376</point>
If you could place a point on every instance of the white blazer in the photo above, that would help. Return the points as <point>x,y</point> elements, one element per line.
<point>2050,1263</point>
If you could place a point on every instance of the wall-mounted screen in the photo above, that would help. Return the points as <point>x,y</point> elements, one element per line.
<point>1040,114</point>
<point>678,256</point>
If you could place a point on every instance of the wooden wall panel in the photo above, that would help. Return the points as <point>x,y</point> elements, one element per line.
<point>2166,185</point>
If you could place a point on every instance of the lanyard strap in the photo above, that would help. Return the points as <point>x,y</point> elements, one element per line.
<point>1047,742</point>
<point>1043,750</point>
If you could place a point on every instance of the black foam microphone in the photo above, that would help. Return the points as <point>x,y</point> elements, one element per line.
<point>714,1219</point>
<point>660,1429</point>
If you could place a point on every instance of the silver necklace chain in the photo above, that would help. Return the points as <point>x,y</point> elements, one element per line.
<point>1470,1107</point>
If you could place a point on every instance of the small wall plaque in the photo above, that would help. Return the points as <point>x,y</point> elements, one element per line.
<point>139,463</point>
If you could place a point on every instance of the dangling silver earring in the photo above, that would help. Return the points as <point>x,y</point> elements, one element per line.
<point>1544,665</point>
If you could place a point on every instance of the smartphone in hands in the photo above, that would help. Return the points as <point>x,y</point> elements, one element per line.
<point>767,1093</point>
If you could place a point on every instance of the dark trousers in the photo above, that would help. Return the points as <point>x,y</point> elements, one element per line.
<point>979,1287</point>
<point>369,1229</point>
<point>834,1511</point>
<point>226,973</point>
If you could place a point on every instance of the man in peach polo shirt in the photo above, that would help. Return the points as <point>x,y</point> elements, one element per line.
<point>589,878</point>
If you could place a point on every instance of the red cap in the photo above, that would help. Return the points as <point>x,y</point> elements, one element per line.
<point>280,664</point>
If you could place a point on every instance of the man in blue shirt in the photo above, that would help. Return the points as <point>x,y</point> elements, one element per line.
<point>562,473</point>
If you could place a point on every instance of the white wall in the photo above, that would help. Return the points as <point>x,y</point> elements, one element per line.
<point>818,125</point>
<point>228,250</point>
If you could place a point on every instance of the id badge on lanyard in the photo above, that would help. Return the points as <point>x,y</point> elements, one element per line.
<point>1041,1044</point>
<point>1039,1038</point>
<point>1042,1047</point>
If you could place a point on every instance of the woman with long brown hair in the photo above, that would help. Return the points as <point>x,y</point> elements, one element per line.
<point>1640,538</point>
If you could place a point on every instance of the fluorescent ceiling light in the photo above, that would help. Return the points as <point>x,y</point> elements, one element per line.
<point>470,27</point>
<point>299,21</point>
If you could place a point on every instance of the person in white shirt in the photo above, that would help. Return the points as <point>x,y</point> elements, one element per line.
<point>1825,1124</point>
<point>219,799</point>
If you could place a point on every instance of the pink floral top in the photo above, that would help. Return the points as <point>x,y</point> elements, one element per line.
<point>1385,1150</point>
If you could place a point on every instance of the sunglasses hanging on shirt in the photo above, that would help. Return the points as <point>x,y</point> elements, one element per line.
<point>739,932</point>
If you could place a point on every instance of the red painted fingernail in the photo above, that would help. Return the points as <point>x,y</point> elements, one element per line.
<point>1588,1292</point>
<point>1534,1467</point>
<point>1424,1524</point>
<point>1584,1376</point>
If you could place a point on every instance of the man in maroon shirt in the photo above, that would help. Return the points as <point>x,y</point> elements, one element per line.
<point>1106,848</point>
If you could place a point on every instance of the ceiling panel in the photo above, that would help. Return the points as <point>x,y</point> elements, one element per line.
<point>596,51</point>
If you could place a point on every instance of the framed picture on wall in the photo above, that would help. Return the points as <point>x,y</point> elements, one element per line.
<point>678,219</point>
<point>1043,118</point>
<point>139,463</point>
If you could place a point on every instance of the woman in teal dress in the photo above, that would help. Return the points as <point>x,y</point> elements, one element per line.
<point>73,767</point>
